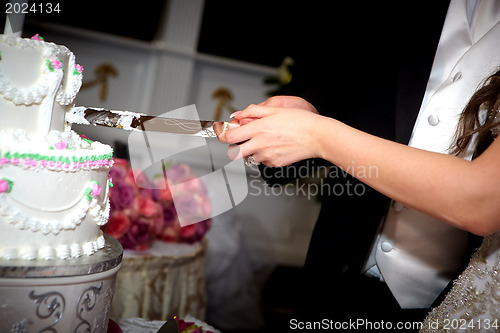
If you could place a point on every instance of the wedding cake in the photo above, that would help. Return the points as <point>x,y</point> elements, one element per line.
<point>53,182</point>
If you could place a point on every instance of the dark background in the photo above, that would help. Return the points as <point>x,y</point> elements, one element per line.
<point>257,31</point>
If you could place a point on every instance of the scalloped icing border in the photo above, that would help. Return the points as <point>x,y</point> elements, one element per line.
<point>54,252</point>
<point>47,226</point>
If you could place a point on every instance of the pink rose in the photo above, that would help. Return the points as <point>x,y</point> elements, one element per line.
<point>95,190</point>
<point>56,63</point>
<point>163,189</point>
<point>122,194</point>
<point>116,173</point>
<point>138,236</point>
<point>177,173</point>
<point>37,37</point>
<point>79,68</point>
<point>186,206</point>
<point>120,162</point>
<point>194,185</point>
<point>145,206</point>
<point>117,225</point>
<point>60,145</point>
<point>157,222</point>
<point>188,231</point>
<point>4,186</point>
<point>168,235</point>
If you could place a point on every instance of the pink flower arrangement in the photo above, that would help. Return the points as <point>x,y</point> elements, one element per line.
<point>186,205</point>
<point>144,210</point>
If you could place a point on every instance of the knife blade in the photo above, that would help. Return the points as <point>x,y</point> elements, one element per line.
<point>134,121</point>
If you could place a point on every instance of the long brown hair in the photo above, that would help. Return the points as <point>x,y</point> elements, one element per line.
<point>470,123</point>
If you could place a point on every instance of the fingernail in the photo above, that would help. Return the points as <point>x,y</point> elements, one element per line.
<point>232,115</point>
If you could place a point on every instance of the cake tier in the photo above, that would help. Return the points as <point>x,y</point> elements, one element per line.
<point>53,195</point>
<point>38,83</point>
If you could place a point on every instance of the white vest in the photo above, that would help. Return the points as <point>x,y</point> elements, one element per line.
<point>418,255</point>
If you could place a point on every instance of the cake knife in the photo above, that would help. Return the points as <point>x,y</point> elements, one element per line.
<point>134,121</point>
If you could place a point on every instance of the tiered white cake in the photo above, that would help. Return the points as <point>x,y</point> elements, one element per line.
<point>53,183</point>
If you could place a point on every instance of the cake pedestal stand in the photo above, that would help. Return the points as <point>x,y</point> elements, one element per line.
<point>63,296</point>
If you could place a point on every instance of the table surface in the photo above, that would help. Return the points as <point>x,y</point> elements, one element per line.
<point>164,249</point>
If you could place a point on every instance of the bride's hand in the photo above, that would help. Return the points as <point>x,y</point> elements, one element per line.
<point>278,101</point>
<point>275,135</point>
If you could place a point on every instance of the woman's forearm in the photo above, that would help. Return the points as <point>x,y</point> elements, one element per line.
<point>443,186</point>
<point>463,193</point>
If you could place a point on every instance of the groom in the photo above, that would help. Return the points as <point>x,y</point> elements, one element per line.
<point>403,76</point>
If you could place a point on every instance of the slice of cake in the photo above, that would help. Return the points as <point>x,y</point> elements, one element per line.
<point>53,183</point>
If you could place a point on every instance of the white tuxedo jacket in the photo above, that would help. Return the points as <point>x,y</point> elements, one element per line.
<point>416,254</point>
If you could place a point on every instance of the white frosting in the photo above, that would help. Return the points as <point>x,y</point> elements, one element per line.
<point>49,204</point>
<point>76,115</point>
<point>66,92</point>
<point>38,89</point>
<point>57,195</point>
<point>38,84</point>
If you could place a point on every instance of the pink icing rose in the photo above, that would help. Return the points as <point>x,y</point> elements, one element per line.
<point>60,145</point>
<point>95,190</point>
<point>56,63</point>
<point>79,68</point>
<point>4,186</point>
<point>37,37</point>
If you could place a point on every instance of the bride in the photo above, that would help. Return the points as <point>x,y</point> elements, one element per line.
<point>462,193</point>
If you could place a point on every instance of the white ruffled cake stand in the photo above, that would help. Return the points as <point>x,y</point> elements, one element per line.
<point>63,296</point>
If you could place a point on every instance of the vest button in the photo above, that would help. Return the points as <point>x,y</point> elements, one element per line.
<point>433,119</point>
<point>386,247</point>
